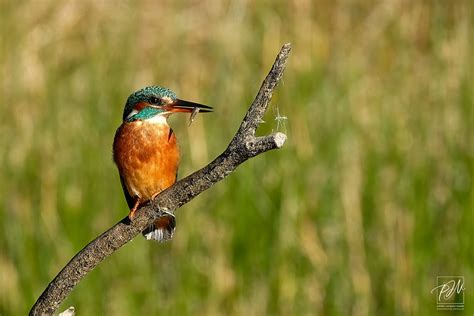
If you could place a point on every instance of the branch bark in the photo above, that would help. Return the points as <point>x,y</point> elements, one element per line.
<point>243,146</point>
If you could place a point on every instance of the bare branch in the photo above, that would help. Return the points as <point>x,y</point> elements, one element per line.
<point>243,146</point>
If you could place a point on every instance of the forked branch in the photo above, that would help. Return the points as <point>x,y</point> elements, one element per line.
<point>243,146</point>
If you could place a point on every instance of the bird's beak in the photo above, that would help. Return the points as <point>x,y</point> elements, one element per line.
<point>186,107</point>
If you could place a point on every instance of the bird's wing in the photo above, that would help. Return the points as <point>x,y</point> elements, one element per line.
<point>128,197</point>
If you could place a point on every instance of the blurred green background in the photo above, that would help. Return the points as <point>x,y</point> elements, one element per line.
<point>368,202</point>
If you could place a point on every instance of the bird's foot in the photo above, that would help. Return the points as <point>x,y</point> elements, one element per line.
<point>131,215</point>
<point>155,195</point>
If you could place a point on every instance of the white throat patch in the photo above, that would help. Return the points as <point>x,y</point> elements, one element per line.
<point>158,119</point>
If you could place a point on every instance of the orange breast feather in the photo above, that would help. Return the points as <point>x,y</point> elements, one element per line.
<point>147,157</point>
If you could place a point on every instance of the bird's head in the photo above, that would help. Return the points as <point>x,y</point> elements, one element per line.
<point>156,101</point>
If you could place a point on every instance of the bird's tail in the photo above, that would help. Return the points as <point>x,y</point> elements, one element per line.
<point>162,229</point>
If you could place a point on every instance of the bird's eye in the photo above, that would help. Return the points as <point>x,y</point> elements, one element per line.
<point>155,100</point>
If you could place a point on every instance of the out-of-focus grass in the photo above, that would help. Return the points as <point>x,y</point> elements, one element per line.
<point>370,199</point>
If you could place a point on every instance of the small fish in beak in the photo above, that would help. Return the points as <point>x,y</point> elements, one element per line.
<point>187,107</point>
<point>193,115</point>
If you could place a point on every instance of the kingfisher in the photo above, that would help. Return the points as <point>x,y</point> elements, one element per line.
<point>146,152</point>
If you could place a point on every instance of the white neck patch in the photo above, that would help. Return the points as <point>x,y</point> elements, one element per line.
<point>132,114</point>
